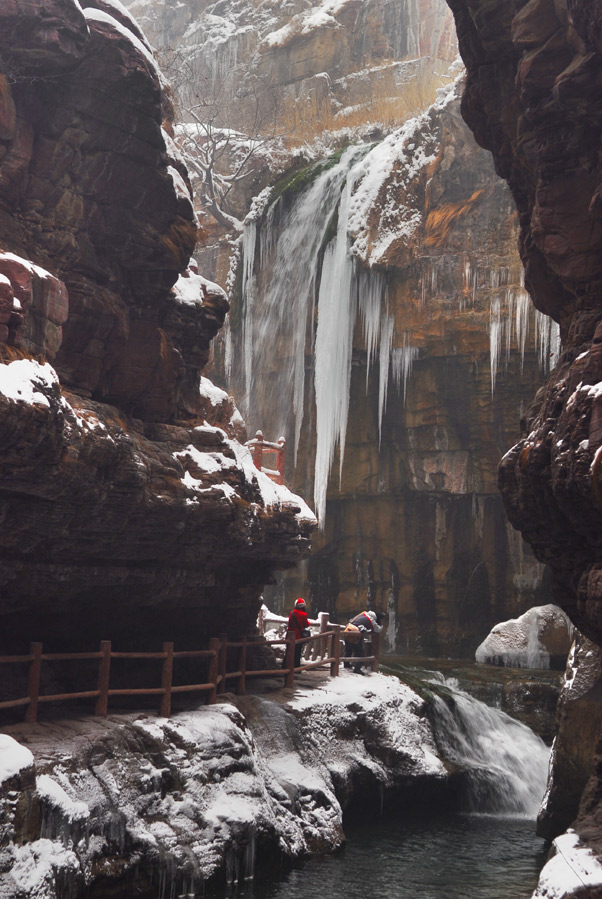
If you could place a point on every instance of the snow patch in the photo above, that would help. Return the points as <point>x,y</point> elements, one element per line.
<point>24,380</point>
<point>13,758</point>
<point>103,18</point>
<point>570,872</point>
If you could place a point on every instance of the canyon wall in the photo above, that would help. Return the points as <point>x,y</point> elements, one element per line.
<point>533,99</point>
<point>130,509</point>
<point>416,526</point>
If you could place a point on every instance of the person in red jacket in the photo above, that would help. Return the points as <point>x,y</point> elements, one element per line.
<point>297,623</point>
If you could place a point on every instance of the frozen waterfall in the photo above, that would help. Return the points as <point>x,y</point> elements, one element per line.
<point>303,297</point>
<point>301,257</point>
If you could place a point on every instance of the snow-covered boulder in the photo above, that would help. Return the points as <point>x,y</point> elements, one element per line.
<point>541,638</point>
<point>214,792</point>
<point>572,870</point>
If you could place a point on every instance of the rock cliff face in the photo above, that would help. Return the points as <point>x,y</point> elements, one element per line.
<point>129,506</point>
<point>418,361</point>
<point>289,73</point>
<point>533,99</point>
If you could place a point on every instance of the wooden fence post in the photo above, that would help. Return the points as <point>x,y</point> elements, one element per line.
<point>104,673</point>
<point>33,690</point>
<point>166,680</point>
<point>324,626</point>
<point>257,450</point>
<point>281,459</point>
<point>335,654</point>
<point>289,659</point>
<point>213,670</point>
<point>242,684</point>
<point>221,668</point>
<point>376,651</point>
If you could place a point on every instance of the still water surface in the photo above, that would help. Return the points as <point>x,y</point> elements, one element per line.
<point>441,856</point>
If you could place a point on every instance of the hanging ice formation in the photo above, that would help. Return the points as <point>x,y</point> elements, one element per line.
<point>509,313</point>
<point>293,245</point>
<point>299,258</point>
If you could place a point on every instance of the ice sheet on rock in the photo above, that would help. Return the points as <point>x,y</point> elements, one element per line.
<point>36,864</point>
<point>396,706</point>
<point>209,391</point>
<point>13,757</point>
<point>24,381</point>
<point>30,266</point>
<point>191,289</point>
<point>208,463</point>
<point>123,11</point>
<point>273,495</point>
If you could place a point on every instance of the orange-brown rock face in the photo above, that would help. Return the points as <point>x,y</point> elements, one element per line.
<point>129,506</point>
<point>533,98</point>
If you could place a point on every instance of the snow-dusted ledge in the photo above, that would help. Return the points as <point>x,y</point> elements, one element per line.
<point>211,792</point>
<point>572,871</point>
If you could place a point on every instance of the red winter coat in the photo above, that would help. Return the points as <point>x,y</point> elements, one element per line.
<point>297,622</point>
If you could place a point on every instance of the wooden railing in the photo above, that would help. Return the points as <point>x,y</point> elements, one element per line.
<point>259,447</point>
<point>327,654</point>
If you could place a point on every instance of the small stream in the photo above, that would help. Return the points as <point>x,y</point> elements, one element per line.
<point>485,849</point>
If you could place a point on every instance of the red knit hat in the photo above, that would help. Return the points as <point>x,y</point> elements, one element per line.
<point>300,603</point>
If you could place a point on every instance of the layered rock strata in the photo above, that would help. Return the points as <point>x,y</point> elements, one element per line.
<point>130,509</point>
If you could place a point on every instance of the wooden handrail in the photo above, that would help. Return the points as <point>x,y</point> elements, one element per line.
<point>326,643</point>
<point>259,446</point>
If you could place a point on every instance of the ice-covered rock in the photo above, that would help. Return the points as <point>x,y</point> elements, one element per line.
<point>213,791</point>
<point>541,638</point>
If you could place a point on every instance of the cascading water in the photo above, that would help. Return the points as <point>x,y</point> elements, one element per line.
<point>504,763</point>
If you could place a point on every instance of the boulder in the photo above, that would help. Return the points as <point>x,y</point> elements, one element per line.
<point>541,638</point>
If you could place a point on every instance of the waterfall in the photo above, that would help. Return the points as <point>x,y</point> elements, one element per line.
<point>505,763</point>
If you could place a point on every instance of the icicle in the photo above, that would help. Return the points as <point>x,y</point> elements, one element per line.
<point>547,338</point>
<point>249,240</point>
<point>386,339</point>
<point>337,308</point>
<point>370,295</point>
<point>402,361</point>
<point>521,321</point>
<point>495,338</point>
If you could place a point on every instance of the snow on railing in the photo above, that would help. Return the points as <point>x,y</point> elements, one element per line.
<point>259,446</point>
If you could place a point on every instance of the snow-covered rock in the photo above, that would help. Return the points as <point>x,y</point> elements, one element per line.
<point>573,870</point>
<point>540,637</point>
<point>206,793</point>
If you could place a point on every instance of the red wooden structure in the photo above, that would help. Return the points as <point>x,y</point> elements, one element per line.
<point>326,646</point>
<point>259,447</point>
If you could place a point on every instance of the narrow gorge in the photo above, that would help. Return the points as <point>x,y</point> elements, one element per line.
<point>315,219</point>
